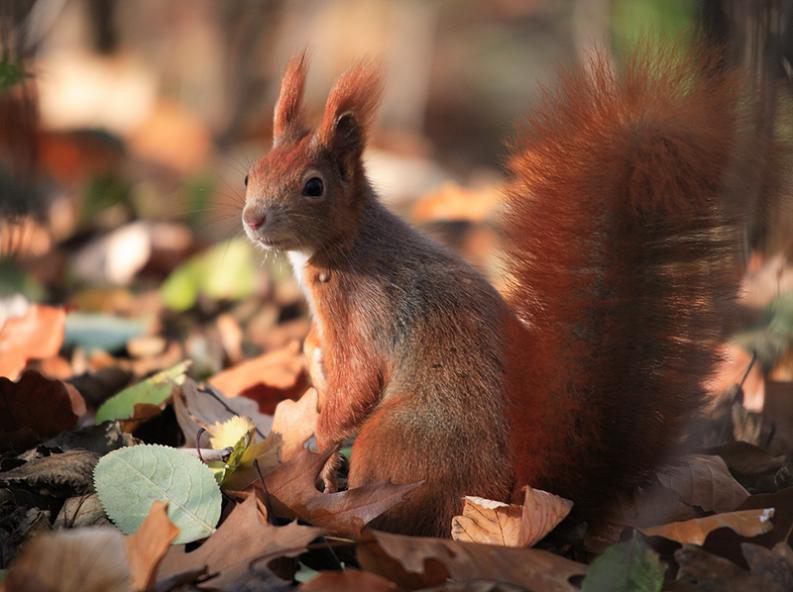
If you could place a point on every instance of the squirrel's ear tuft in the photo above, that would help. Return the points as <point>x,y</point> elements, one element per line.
<point>349,110</point>
<point>288,108</point>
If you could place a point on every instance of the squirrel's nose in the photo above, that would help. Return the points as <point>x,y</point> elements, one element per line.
<point>254,220</point>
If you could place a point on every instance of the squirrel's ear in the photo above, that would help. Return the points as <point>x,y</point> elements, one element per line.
<point>288,108</point>
<point>349,111</point>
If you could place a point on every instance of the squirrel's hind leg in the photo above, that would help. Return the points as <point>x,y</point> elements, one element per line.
<point>398,443</point>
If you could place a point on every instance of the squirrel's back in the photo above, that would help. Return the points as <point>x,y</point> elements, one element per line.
<point>622,247</point>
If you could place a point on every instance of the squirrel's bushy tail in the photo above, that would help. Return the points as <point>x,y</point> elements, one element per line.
<point>623,246</point>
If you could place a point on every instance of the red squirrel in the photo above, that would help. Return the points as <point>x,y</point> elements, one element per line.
<point>620,249</point>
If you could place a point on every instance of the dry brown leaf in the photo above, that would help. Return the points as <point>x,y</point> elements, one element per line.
<point>147,546</point>
<point>296,422</point>
<point>497,523</point>
<point>267,379</point>
<point>291,491</point>
<point>80,560</point>
<point>453,202</point>
<point>747,523</point>
<point>704,481</point>
<point>747,459</point>
<point>72,469</point>
<point>79,511</point>
<point>36,334</point>
<point>703,571</point>
<point>349,579</point>
<point>233,550</point>
<point>35,408</point>
<point>417,562</point>
<point>196,409</point>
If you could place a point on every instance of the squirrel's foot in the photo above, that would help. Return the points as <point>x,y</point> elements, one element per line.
<point>328,476</point>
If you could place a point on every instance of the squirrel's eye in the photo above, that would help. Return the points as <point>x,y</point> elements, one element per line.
<point>314,187</point>
<point>246,180</point>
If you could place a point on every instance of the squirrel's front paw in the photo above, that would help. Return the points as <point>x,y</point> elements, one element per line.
<point>329,474</point>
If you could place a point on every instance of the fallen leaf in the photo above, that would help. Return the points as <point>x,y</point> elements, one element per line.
<point>81,560</point>
<point>497,523</point>
<point>418,562</point>
<point>232,552</point>
<point>629,566</point>
<point>108,333</point>
<point>775,566</point>
<point>747,459</point>
<point>147,546</point>
<point>80,511</point>
<point>267,379</point>
<point>36,334</point>
<point>70,470</point>
<point>198,409</point>
<point>129,480</point>
<point>155,390</point>
<point>296,422</point>
<point>99,439</point>
<point>291,491</point>
<point>453,202</point>
<point>704,572</point>
<point>747,523</point>
<point>36,408</point>
<point>349,579</point>
<point>703,481</point>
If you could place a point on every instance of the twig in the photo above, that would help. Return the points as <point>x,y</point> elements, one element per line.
<point>207,455</point>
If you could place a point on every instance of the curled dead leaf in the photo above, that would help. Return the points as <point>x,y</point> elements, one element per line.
<point>497,523</point>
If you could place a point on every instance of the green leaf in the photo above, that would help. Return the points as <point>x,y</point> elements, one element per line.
<point>129,480</point>
<point>155,390</point>
<point>100,331</point>
<point>625,567</point>
<point>11,73</point>
<point>225,272</point>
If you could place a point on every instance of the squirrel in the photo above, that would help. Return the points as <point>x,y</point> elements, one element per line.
<point>622,243</point>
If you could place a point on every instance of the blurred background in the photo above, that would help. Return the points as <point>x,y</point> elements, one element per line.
<point>126,129</point>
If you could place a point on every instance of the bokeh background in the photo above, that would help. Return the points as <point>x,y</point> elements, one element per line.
<point>127,129</point>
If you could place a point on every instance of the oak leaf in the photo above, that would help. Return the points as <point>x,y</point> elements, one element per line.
<point>291,490</point>
<point>234,549</point>
<point>704,481</point>
<point>418,562</point>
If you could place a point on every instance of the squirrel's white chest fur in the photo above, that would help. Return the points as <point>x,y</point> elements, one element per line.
<point>299,261</point>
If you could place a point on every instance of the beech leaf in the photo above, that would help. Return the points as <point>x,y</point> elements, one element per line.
<point>704,481</point>
<point>129,480</point>
<point>155,390</point>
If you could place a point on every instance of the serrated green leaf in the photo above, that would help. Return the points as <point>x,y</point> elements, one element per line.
<point>155,390</point>
<point>630,566</point>
<point>129,480</point>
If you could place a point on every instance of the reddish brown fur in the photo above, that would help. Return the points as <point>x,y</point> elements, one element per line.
<point>288,108</point>
<point>620,252</point>
<point>623,248</point>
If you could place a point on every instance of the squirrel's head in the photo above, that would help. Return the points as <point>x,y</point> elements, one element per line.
<point>307,191</point>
